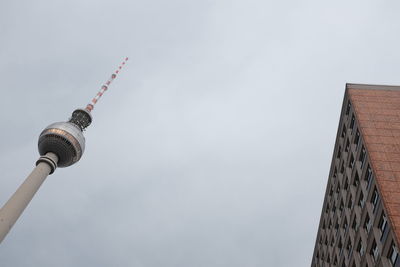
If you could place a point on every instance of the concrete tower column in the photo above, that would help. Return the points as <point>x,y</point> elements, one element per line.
<point>13,208</point>
<point>60,144</point>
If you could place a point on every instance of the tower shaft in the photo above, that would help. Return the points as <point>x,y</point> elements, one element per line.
<point>14,207</point>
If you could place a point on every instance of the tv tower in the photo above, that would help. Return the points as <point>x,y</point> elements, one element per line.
<point>60,144</point>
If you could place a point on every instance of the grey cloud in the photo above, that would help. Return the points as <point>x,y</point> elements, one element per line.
<point>212,148</point>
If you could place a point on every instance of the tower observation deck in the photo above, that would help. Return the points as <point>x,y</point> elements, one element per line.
<point>60,144</point>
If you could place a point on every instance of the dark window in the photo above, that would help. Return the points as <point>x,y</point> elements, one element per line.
<point>375,198</point>
<point>349,247</point>
<point>361,200</point>
<point>343,134</point>
<point>350,204</point>
<point>348,108</point>
<point>357,138</point>
<point>363,155</point>
<point>367,224</point>
<point>351,162</point>
<point>354,225</point>
<point>382,223</point>
<point>360,248</point>
<point>352,122</point>
<point>345,225</point>
<point>393,254</point>
<point>341,206</point>
<point>346,183</point>
<point>346,149</point>
<point>374,251</point>
<point>356,181</point>
<point>339,153</point>
<point>368,176</point>
<point>335,173</point>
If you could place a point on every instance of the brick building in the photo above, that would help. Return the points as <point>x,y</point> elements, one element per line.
<point>360,219</point>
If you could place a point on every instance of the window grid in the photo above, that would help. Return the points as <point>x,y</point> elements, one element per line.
<point>342,196</point>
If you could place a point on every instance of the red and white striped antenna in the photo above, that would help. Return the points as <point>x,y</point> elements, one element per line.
<point>105,86</point>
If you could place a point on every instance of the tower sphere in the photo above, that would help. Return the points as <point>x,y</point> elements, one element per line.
<point>65,139</point>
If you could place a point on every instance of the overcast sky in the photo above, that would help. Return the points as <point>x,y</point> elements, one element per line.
<point>213,146</point>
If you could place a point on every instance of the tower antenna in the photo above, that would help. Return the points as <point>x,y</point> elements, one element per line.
<point>60,144</point>
<point>104,87</point>
<point>82,117</point>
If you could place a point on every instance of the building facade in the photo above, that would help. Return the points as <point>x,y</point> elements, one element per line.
<point>360,219</point>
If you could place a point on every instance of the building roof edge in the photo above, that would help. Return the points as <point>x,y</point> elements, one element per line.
<point>371,86</point>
